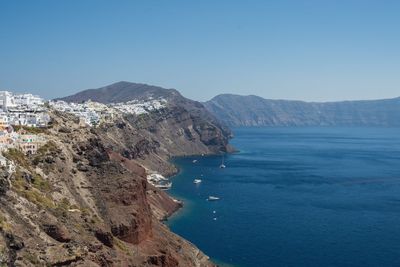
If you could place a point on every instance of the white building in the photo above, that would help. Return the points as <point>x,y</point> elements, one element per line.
<point>9,101</point>
<point>28,100</point>
<point>91,113</point>
<point>23,109</point>
<point>94,113</point>
<point>6,100</point>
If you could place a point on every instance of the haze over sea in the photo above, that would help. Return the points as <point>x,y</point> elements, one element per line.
<point>296,197</point>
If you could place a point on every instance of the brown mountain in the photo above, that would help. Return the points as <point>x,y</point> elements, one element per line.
<point>123,92</point>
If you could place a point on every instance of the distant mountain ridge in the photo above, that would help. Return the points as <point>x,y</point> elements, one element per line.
<point>122,92</point>
<point>236,110</point>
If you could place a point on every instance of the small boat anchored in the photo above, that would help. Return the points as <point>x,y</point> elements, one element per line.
<point>222,166</point>
<point>197,181</point>
<point>164,186</point>
<point>194,161</point>
<point>159,181</point>
<point>213,198</point>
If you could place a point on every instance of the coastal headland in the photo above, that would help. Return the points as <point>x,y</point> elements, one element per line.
<point>83,198</point>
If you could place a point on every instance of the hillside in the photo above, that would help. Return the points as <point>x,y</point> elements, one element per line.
<point>122,92</point>
<point>235,110</point>
<point>84,199</point>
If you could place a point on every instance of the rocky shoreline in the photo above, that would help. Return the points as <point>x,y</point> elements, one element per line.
<point>87,201</point>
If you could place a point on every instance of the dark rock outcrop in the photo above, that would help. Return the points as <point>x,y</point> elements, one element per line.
<point>57,232</point>
<point>14,242</point>
<point>4,184</point>
<point>162,260</point>
<point>105,238</point>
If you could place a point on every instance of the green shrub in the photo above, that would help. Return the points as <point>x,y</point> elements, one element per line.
<point>41,184</point>
<point>38,198</point>
<point>50,146</point>
<point>4,225</point>
<point>31,130</point>
<point>17,156</point>
<point>36,194</point>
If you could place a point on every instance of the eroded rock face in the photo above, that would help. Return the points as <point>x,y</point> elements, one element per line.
<point>57,232</point>
<point>162,260</point>
<point>4,184</point>
<point>122,198</point>
<point>151,139</point>
<point>14,241</point>
<point>83,202</point>
<point>161,203</point>
<point>105,238</point>
<point>10,244</point>
<point>141,149</point>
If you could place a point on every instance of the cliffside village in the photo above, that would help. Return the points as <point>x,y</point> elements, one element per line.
<point>94,113</point>
<point>20,113</point>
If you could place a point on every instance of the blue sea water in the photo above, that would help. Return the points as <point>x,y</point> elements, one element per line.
<point>296,197</point>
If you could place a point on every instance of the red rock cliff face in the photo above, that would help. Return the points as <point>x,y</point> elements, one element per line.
<point>151,139</point>
<point>162,205</point>
<point>81,202</point>
<point>121,193</point>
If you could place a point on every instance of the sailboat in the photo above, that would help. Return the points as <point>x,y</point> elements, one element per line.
<point>212,198</point>
<point>222,166</point>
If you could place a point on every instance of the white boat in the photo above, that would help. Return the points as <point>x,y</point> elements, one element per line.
<point>222,166</point>
<point>197,181</point>
<point>212,198</point>
<point>194,161</point>
<point>164,186</point>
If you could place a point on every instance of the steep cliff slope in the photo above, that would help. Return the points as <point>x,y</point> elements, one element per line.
<point>199,123</point>
<point>84,200</point>
<point>237,110</point>
<point>127,91</point>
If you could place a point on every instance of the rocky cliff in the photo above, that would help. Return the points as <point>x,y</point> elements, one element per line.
<point>182,127</point>
<point>84,200</point>
<point>237,110</point>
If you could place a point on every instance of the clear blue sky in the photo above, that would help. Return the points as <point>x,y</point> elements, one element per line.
<point>309,50</point>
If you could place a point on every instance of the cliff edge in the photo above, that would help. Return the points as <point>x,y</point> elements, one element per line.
<point>83,199</point>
